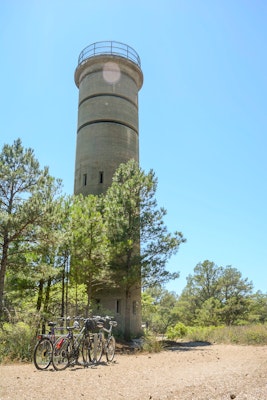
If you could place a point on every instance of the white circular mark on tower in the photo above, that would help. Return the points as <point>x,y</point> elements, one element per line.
<point>111,72</point>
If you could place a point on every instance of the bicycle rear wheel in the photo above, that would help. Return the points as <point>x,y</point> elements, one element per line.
<point>96,349</point>
<point>110,348</point>
<point>61,353</point>
<point>42,354</point>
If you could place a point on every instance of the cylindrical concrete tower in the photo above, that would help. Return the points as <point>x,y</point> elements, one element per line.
<point>109,77</point>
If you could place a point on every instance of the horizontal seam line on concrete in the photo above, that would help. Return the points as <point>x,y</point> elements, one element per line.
<point>108,95</point>
<point>99,121</point>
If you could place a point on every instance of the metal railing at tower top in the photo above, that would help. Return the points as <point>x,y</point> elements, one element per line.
<point>109,47</point>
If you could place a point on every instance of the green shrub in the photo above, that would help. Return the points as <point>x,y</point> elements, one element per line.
<point>177,331</point>
<point>16,342</point>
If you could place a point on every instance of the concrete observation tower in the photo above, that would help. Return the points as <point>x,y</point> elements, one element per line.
<point>109,77</point>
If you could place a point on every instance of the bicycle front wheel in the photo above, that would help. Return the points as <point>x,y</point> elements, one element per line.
<point>86,349</point>
<point>61,353</point>
<point>42,354</point>
<point>110,348</point>
<point>96,348</point>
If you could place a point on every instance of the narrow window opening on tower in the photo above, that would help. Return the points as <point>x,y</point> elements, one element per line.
<point>101,176</point>
<point>97,302</point>
<point>134,307</point>
<point>84,179</point>
<point>118,306</point>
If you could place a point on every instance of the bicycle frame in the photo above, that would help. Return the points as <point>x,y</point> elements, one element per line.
<point>108,331</point>
<point>76,342</point>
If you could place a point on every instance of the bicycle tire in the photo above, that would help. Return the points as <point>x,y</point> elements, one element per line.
<point>96,349</point>
<point>110,348</point>
<point>86,348</point>
<point>42,354</point>
<point>61,353</point>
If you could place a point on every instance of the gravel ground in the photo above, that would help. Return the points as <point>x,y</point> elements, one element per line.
<point>188,371</point>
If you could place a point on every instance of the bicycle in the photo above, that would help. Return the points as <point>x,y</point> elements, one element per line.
<point>92,347</point>
<point>107,344</point>
<point>42,353</point>
<point>66,350</point>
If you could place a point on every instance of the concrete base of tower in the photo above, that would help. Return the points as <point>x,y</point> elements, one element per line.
<point>126,311</point>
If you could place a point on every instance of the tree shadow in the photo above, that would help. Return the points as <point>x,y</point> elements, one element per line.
<point>184,346</point>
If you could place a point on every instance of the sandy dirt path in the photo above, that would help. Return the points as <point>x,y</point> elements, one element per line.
<point>190,371</point>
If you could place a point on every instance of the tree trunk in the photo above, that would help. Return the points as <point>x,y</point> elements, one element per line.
<point>63,293</point>
<point>89,297</point>
<point>47,294</point>
<point>3,267</point>
<point>67,290</point>
<point>40,295</point>
<point>127,319</point>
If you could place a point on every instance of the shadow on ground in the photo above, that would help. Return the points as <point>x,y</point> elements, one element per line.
<point>131,348</point>
<point>184,346</point>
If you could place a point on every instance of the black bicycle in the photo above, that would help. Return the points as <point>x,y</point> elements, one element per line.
<point>42,353</point>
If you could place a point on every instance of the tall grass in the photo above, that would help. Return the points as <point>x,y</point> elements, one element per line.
<point>243,335</point>
<point>151,343</point>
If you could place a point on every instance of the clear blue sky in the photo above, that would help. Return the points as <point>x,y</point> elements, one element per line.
<point>202,110</point>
